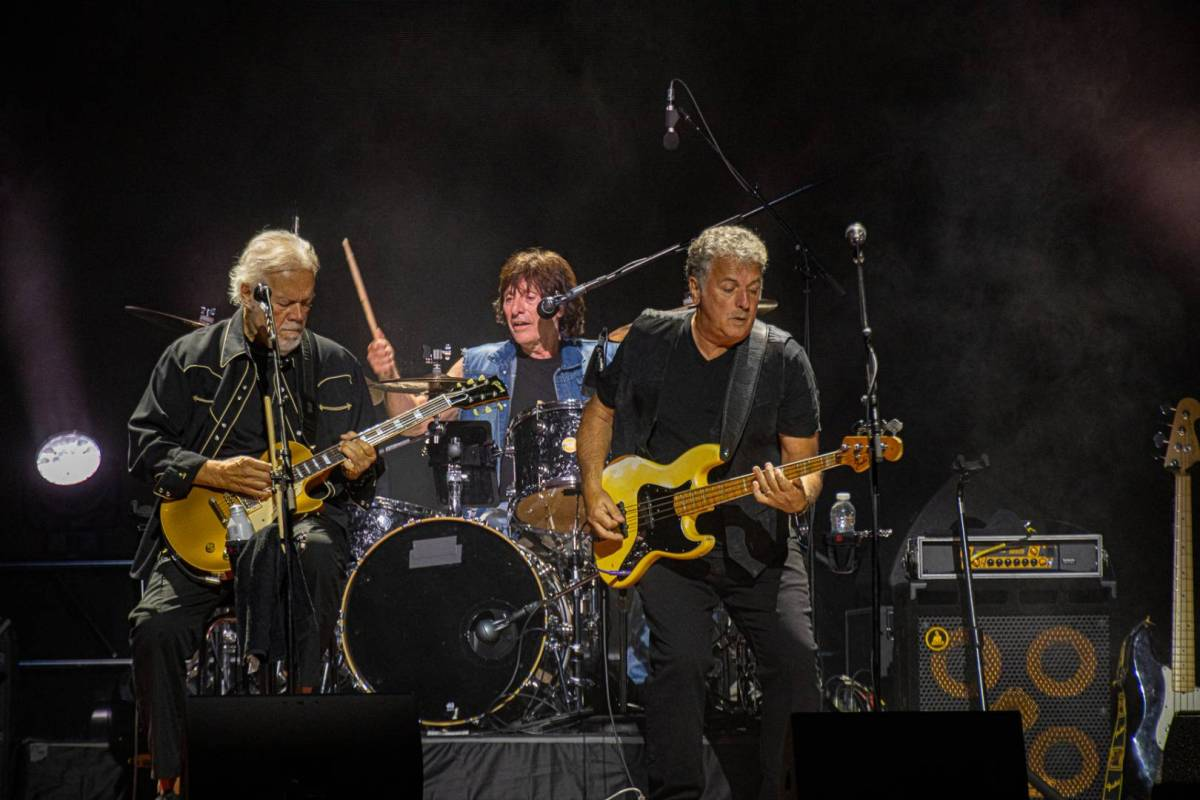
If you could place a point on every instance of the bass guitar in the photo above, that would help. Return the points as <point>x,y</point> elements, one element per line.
<point>661,502</point>
<point>1149,692</point>
<point>194,525</point>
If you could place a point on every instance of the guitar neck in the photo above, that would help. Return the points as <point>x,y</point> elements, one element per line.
<point>375,436</point>
<point>1183,606</point>
<point>700,499</point>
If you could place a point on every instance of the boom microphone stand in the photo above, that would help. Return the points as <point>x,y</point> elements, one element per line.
<point>283,481</point>
<point>856,235</point>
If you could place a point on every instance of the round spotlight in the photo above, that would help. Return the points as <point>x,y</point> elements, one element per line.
<point>66,459</point>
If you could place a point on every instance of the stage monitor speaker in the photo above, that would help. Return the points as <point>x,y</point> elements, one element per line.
<point>8,669</point>
<point>1046,654</point>
<point>928,755</point>
<point>303,747</point>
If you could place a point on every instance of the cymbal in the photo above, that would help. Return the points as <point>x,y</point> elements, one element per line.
<point>618,334</point>
<point>422,384</point>
<point>162,319</point>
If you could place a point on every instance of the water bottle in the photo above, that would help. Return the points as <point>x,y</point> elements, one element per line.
<point>841,544</point>
<point>238,528</point>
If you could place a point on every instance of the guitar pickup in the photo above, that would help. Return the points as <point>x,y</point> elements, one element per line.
<point>624,527</point>
<point>216,509</point>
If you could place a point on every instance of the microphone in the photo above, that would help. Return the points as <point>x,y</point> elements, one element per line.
<point>488,630</point>
<point>262,293</point>
<point>856,235</point>
<point>671,138</point>
<point>548,306</point>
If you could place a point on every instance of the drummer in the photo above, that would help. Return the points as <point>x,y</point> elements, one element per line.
<point>548,354</point>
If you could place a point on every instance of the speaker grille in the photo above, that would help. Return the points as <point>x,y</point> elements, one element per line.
<point>1051,668</point>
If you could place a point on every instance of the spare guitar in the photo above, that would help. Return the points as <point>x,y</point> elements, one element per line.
<point>194,526</point>
<point>661,502</point>
<point>1150,692</point>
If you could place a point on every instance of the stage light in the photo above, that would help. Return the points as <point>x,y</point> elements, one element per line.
<point>68,458</point>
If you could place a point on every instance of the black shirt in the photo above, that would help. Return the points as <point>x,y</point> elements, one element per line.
<point>534,381</point>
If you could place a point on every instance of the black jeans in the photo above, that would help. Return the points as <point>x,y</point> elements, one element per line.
<point>168,623</point>
<point>795,614</point>
<point>678,599</point>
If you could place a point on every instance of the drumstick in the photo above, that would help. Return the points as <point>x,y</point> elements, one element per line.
<point>362,289</point>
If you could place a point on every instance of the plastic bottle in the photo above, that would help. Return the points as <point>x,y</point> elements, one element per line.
<point>841,517</point>
<point>238,528</point>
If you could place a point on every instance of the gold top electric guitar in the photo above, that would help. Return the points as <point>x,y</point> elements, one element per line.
<point>661,502</point>
<point>194,525</point>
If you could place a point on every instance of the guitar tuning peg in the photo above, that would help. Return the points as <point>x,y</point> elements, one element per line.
<point>1160,440</point>
<point>1166,409</point>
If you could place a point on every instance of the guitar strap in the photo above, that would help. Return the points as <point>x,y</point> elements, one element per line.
<point>739,396</point>
<point>308,390</point>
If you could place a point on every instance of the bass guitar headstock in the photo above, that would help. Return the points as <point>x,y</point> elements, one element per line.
<point>855,451</point>
<point>1180,446</point>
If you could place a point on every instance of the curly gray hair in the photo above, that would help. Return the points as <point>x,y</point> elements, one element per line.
<point>730,241</point>
<point>270,251</point>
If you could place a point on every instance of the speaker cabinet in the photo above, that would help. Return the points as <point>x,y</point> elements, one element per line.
<point>303,747</point>
<point>942,755</point>
<point>1046,655</point>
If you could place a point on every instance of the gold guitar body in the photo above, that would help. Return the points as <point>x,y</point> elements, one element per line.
<point>195,533</point>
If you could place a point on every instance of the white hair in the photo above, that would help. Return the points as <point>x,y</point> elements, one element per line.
<point>270,251</point>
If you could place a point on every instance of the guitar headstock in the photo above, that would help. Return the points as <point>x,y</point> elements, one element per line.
<point>477,391</point>
<point>855,451</point>
<point>1181,445</point>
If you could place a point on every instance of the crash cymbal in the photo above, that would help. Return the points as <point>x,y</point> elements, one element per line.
<point>423,384</point>
<point>162,319</point>
<point>618,334</point>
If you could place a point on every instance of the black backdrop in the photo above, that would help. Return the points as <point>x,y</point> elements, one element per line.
<point>1028,175</point>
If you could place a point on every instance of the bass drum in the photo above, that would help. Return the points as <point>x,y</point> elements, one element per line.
<point>415,612</point>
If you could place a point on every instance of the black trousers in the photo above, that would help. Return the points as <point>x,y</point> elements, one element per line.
<point>795,614</point>
<point>678,598</point>
<point>168,623</point>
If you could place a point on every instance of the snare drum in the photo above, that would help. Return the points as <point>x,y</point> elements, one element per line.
<point>414,617</point>
<point>542,443</point>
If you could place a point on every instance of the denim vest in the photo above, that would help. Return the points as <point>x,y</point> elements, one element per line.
<point>500,359</point>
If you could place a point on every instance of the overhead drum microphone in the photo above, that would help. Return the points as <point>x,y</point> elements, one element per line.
<point>671,138</point>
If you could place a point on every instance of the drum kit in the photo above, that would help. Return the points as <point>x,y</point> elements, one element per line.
<point>480,611</point>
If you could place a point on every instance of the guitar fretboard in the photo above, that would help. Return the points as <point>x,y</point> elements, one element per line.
<point>1183,611</point>
<point>703,498</point>
<point>332,456</point>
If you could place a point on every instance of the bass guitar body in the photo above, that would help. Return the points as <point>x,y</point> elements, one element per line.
<point>1145,682</point>
<point>637,484</point>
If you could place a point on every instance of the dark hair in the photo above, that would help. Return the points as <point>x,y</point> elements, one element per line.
<point>551,274</point>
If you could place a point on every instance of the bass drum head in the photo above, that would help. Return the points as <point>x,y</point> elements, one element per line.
<point>411,616</point>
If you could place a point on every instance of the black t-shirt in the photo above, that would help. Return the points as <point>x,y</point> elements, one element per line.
<point>691,402</point>
<point>798,409</point>
<point>534,382</point>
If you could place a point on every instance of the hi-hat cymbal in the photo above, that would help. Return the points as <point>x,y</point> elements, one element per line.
<point>162,319</point>
<point>618,334</point>
<point>423,384</point>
